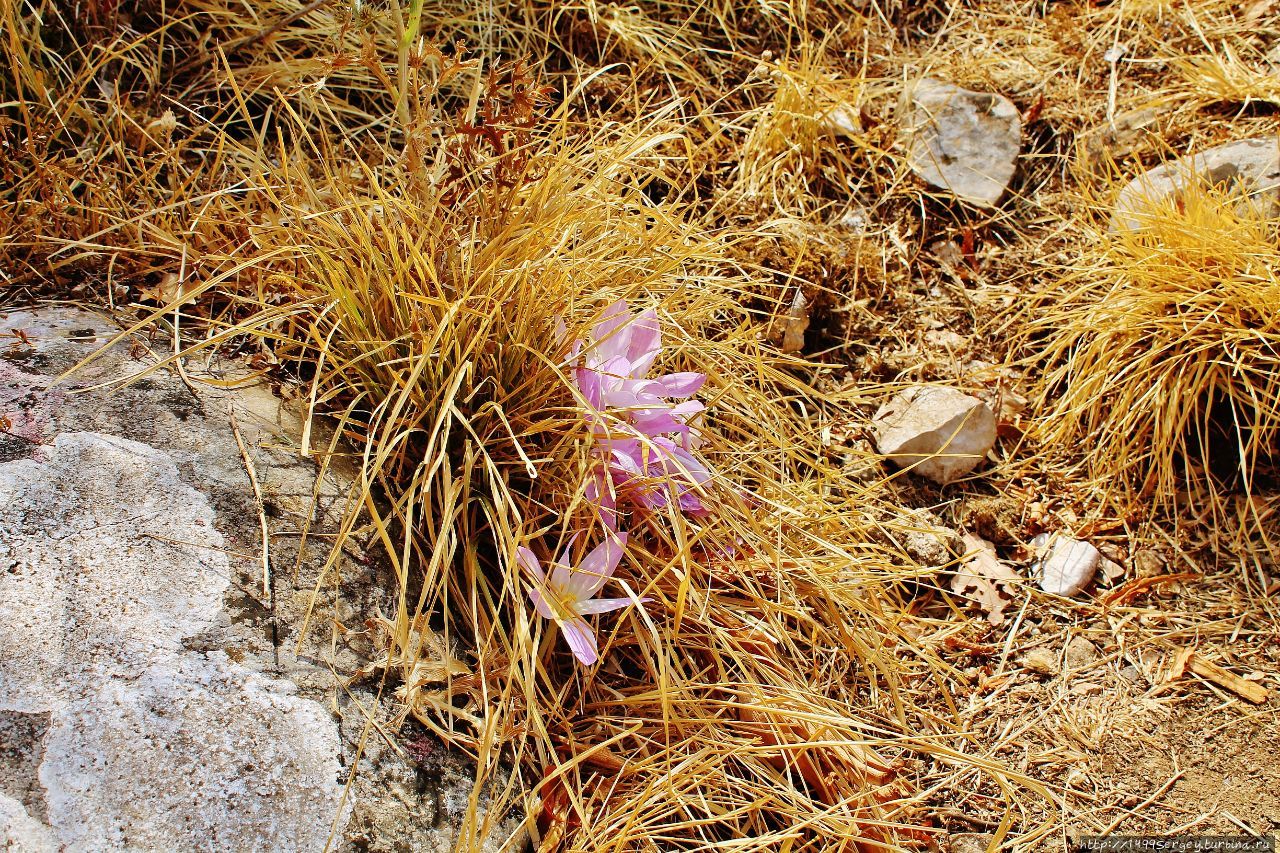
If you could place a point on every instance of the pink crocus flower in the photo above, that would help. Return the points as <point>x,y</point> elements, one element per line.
<point>614,371</point>
<point>567,595</point>
<point>649,472</point>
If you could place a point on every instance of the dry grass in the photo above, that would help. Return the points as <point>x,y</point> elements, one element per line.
<point>395,231</point>
<point>1164,350</point>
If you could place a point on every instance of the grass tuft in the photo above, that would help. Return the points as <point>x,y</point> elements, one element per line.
<point>1164,350</point>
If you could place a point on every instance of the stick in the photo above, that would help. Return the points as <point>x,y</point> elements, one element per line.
<point>257,495</point>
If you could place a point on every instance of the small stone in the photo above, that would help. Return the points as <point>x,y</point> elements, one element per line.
<point>1080,653</point>
<point>1131,674</point>
<point>1250,164</point>
<point>1148,564</point>
<point>962,141</point>
<point>1076,778</point>
<point>843,120</point>
<point>926,540</point>
<point>1066,565</point>
<point>1041,660</point>
<point>969,842</point>
<point>1111,570</point>
<point>1111,551</point>
<point>938,432</point>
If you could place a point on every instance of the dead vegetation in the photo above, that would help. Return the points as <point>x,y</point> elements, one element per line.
<point>390,208</point>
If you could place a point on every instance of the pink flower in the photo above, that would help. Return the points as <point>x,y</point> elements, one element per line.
<point>649,472</point>
<point>568,594</point>
<point>614,370</point>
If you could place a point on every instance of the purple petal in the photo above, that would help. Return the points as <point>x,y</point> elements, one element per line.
<point>600,491</point>
<point>591,384</point>
<point>613,317</point>
<point>581,639</point>
<point>607,605</point>
<point>681,384</point>
<point>675,459</point>
<point>560,572</point>
<point>541,604</point>
<point>529,562</point>
<point>657,422</point>
<point>597,567</point>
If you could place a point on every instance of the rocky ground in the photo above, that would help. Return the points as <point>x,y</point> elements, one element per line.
<point>156,691</point>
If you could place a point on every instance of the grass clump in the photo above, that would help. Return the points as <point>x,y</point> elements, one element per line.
<point>1164,350</point>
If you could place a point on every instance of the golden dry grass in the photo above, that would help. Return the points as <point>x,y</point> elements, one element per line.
<point>1161,354</point>
<point>397,224</point>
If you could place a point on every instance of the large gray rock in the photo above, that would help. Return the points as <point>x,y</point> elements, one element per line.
<point>152,695</point>
<point>113,563</point>
<point>938,432</point>
<point>1250,165</point>
<point>963,141</point>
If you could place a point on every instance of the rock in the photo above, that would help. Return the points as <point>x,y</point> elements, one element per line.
<point>1131,674</point>
<point>1041,660</point>
<point>842,119</point>
<point>938,432</point>
<point>152,695</point>
<point>1252,165</point>
<point>1065,566</point>
<point>969,842</point>
<point>20,832</point>
<point>1111,570</point>
<point>114,562</point>
<point>1080,653</point>
<point>962,141</point>
<point>926,539</point>
<point>1147,564</point>
<point>257,768</point>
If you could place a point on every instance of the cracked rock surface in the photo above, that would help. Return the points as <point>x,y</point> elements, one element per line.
<point>152,695</point>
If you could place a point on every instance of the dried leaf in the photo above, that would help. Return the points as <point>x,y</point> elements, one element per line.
<point>796,323</point>
<point>984,580</point>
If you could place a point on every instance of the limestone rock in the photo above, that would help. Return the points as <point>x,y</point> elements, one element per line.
<point>114,562</point>
<point>926,539</point>
<point>1080,653</point>
<point>1064,566</point>
<point>963,141</point>
<point>20,832</point>
<point>149,687</point>
<point>112,559</point>
<point>939,432</point>
<point>194,753</point>
<point>1252,165</point>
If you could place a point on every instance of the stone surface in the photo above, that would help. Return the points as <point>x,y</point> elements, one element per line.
<point>1249,165</point>
<point>113,562</point>
<point>1148,564</point>
<point>152,694</point>
<point>938,432</point>
<point>20,832</point>
<point>926,539</point>
<point>963,141</point>
<point>1064,566</point>
<point>1080,653</point>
